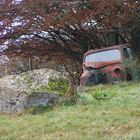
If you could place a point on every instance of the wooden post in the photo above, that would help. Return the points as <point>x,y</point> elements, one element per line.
<point>30,64</point>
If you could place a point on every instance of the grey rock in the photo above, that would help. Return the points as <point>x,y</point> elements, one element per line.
<point>12,101</point>
<point>16,90</point>
<point>40,99</point>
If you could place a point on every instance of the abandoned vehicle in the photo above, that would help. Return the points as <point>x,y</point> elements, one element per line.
<point>107,65</point>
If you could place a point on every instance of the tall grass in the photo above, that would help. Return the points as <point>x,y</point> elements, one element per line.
<point>104,112</point>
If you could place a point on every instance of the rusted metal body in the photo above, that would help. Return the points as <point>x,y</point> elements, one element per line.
<point>107,65</point>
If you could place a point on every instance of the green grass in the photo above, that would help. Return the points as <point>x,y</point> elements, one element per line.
<point>109,112</point>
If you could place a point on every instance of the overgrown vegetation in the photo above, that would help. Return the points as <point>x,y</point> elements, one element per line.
<point>55,85</point>
<point>135,67</point>
<point>104,112</point>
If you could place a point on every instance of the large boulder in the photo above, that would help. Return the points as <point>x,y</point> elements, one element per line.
<point>18,92</point>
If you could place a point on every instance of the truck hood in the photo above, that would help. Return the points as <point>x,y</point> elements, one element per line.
<point>99,65</point>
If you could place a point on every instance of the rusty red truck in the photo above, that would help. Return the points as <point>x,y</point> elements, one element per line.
<point>107,65</point>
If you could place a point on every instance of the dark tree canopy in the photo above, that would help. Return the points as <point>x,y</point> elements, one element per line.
<point>67,28</point>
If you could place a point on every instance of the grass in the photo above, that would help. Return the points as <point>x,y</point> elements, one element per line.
<point>109,112</point>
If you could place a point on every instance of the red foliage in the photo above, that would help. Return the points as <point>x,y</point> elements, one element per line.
<point>69,23</point>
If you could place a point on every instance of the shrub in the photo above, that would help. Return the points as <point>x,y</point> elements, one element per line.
<point>135,69</point>
<point>102,93</point>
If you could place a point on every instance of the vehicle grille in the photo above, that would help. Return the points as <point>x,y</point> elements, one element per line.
<point>96,77</point>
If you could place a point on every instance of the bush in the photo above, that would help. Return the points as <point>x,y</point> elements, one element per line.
<point>95,94</point>
<point>135,68</point>
<point>102,95</point>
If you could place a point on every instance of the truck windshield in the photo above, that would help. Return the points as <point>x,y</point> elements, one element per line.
<point>104,56</point>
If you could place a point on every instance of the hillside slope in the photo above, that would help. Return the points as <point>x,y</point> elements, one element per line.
<point>109,112</point>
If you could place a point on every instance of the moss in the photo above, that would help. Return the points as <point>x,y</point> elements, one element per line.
<point>55,85</point>
<point>58,85</point>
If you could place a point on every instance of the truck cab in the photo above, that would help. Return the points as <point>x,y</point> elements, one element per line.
<point>107,65</point>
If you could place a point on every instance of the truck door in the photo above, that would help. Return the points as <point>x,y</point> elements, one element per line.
<point>127,55</point>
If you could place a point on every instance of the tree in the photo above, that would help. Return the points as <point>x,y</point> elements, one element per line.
<point>64,30</point>
<point>27,21</point>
